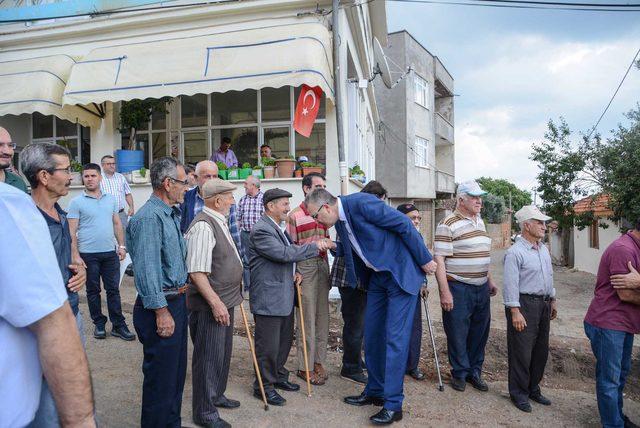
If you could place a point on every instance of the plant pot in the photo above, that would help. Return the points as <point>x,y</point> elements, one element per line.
<point>244,173</point>
<point>257,173</point>
<point>233,174</point>
<point>269,171</point>
<point>285,167</point>
<point>358,177</point>
<point>222,173</point>
<point>76,179</point>
<point>137,178</point>
<point>309,169</point>
<point>297,173</point>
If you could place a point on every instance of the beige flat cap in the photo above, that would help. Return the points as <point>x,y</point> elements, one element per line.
<point>215,186</point>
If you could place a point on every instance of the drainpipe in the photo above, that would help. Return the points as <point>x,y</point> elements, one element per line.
<point>342,163</point>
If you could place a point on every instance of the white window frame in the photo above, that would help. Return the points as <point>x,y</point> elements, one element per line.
<point>421,149</point>
<point>421,88</point>
<point>54,138</point>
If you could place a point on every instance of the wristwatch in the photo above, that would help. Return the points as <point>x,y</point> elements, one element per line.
<point>123,247</point>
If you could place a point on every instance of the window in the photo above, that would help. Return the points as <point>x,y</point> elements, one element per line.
<point>421,151</point>
<point>73,136</point>
<point>151,138</point>
<point>422,91</point>
<point>594,238</point>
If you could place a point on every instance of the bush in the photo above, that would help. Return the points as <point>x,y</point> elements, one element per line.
<point>493,208</point>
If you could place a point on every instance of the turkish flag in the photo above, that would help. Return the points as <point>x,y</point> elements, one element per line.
<point>307,109</point>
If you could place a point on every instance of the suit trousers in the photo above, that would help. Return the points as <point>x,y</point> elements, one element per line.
<point>212,346</point>
<point>415,342</point>
<point>246,273</point>
<point>273,340</point>
<point>165,364</point>
<point>387,327</point>
<point>528,350</point>
<point>315,305</point>
<point>352,306</point>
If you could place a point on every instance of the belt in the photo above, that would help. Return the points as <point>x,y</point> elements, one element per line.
<point>121,210</point>
<point>545,297</point>
<point>170,293</point>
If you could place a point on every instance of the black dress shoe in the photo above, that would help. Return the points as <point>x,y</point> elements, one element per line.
<point>628,423</point>
<point>123,333</point>
<point>417,374</point>
<point>386,417</point>
<point>458,384</point>
<point>99,332</point>
<point>287,386</point>
<point>220,423</point>
<point>478,383</point>
<point>524,406</point>
<point>540,399</point>
<point>129,270</point>
<point>363,400</point>
<point>226,403</point>
<point>273,397</point>
<point>355,377</point>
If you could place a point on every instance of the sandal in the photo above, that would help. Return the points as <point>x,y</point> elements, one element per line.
<point>313,377</point>
<point>320,371</point>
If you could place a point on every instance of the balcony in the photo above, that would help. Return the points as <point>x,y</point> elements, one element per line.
<point>444,131</point>
<point>445,182</point>
<point>444,81</point>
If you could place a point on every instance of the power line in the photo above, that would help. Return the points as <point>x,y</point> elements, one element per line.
<point>555,3</point>
<point>522,5</point>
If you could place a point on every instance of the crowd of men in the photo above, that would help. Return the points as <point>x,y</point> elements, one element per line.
<point>196,253</point>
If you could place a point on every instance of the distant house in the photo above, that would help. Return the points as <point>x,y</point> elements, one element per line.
<point>590,242</point>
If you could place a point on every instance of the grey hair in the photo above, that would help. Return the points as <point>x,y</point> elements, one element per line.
<point>161,168</point>
<point>38,157</point>
<point>255,180</point>
<point>320,197</point>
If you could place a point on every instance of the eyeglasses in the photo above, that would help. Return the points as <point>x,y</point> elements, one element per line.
<point>315,216</point>
<point>68,170</point>
<point>175,180</point>
<point>8,145</point>
<point>109,163</point>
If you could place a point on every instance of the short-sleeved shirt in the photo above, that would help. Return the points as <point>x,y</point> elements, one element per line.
<point>466,247</point>
<point>95,222</point>
<point>15,181</point>
<point>607,310</point>
<point>31,288</point>
<point>117,186</point>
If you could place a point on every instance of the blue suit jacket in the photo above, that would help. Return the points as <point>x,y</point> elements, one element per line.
<point>187,209</point>
<point>388,240</point>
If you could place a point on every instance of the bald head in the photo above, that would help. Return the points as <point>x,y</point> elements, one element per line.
<point>205,171</point>
<point>6,148</point>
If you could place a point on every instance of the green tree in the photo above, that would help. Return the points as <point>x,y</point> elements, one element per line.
<point>493,208</point>
<point>135,113</point>
<point>507,190</point>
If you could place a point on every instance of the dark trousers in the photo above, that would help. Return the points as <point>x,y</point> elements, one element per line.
<point>274,337</point>
<point>467,328</point>
<point>388,323</point>
<point>528,349</point>
<point>164,366</point>
<point>353,304</point>
<point>106,266</point>
<point>415,342</point>
<point>212,345</point>
<point>246,273</point>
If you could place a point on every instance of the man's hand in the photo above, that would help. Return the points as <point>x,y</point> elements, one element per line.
<point>122,253</point>
<point>517,319</point>
<point>130,212</point>
<point>629,280</point>
<point>424,291</point>
<point>446,300</point>
<point>77,281</point>
<point>220,313</point>
<point>325,244</point>
<point>430,268</point>
<point>493,290</point>
<point>76,259</point>
<point>297,278</point>
<point>164,322</point>
<point>554,310</point>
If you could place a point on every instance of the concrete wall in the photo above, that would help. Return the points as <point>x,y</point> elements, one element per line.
<point>500,235</point>
<point>587,259</point>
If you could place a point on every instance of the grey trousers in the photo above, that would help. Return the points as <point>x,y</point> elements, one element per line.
<point>212,345</point>
<point>274,337</point>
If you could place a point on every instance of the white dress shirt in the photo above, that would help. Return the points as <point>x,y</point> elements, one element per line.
<point>352,238</point>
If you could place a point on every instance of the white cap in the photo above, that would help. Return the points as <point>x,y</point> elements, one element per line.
<point>470,188</point>
<point>303,159</point>
<point>529,212</point>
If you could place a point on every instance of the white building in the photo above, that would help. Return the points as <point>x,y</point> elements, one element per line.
<point>230,69</point>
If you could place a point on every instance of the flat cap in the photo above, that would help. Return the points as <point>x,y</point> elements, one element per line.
<point>273,194</point>
<point>407,208</point>
<point>529,212</point>
<point>215,186</point>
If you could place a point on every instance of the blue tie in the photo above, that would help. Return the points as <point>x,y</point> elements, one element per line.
<point>341,229</point>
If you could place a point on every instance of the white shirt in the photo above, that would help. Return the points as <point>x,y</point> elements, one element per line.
<point>201,242</point>
<point>283,227</point>
<point>31,288</point>
<point>352,238</point>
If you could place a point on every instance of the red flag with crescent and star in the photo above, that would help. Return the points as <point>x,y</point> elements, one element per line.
<point>307,109</point>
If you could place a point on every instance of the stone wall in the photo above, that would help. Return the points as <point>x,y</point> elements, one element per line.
<point>500,234</point>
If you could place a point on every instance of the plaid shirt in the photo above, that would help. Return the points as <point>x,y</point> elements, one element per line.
<point>250,209</point>
<point>338,276</point>
<point>117,186</point>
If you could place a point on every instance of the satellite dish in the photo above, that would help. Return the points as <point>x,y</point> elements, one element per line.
<point>382,66</point>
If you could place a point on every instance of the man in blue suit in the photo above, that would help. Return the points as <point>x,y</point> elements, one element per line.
<point>383,249</point>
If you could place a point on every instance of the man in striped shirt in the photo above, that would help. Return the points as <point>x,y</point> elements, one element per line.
<point>114,183</point>
<point>462,251</point>
<point>315,284</point>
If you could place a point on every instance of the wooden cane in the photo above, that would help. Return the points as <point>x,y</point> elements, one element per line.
<point>255,359</point>
<point>304,338</point>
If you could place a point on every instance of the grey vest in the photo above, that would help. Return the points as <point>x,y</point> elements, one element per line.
<point>226,271</point>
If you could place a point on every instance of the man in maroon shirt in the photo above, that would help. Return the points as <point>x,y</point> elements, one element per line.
<point>611,321</point>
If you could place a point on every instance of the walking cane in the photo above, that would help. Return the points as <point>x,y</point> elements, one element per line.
<point>304,338</point>
<point>255,360</point>
<point>433,343</point>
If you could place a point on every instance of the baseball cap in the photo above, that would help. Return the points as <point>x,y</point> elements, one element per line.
<point>529,212</point>
<point>471,188</point>
<point>303,159</point>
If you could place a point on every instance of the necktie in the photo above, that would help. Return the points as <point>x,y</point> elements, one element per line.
<point>341,229</point>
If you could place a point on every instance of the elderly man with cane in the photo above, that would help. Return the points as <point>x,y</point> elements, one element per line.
<point>370,231</point>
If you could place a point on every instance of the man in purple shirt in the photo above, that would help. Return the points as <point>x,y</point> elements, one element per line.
<point>224,154</point>
<point>611,321</point>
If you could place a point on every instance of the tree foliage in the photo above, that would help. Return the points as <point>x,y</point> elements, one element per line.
<point>493,208</point>
<point>135,113</point>
<point>505,189</point>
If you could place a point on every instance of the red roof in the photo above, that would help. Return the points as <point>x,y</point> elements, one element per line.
<point>599,204</point>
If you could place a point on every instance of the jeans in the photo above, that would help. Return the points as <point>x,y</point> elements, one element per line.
<point>467,328</point>
<point>106,266</point>
<point>354,302</point>
<point>612,349</point>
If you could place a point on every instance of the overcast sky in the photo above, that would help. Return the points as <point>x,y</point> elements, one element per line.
<point>514,69</point>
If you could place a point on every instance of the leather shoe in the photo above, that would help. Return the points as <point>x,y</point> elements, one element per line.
<point>220,423</point>
<point>273,397</point>
<point>628,423</point>
<point>457,384</point>
<point>226,403</point>
<point>525,407</point>
<point>417,374</point>
<point>355,377</point>
<point>287,386</point>
<point>540,399</point>
<point>386,417</point>
<point>123,333</point>
<point>99,332</point>
<point>363,400</point>
<point>478,383</point>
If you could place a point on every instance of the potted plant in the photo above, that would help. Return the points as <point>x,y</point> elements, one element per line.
<point>285,166</point>
<point>309,167</point>
<point>140,176</point>
<point>76,173</point>
<point>222,170</point>
<point>268,167</point>
<point>245,171</point>
<point>257,171</point>
<point>232,173</point>
<point>357,173</point>
<point>297,173</point>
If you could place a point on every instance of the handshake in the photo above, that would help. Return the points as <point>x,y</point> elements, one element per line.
<point>325,244</point>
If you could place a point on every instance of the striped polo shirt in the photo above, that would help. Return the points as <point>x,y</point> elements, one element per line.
<point>303,229</point>
<point>465,245</point>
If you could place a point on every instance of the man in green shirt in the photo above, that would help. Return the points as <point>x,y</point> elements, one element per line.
<point>6,156</point>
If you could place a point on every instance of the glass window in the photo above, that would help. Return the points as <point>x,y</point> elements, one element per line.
<point>244,143</point>
<point>195,147</point>
<point>159,120</point>
<point>276,104</point>
<point>321,110</point>
<point>85,150</point>
<point>278,140</point>
<point>142,143</point>
<point>64,128</point>
<point>194,110</point>
<point>313,147</point>
<point>159,145</point>
<point>421,151</point>
<point>233,107</point>
<point>42,126</point>
<point>72,145</point>
<point>422,91</point>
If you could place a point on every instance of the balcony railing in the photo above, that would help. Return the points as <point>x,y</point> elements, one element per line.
<point>444,130</point>
<point>445,182</point>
